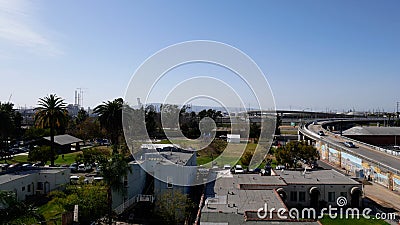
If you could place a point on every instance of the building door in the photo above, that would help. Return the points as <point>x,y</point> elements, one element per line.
<point>355,198</point>
<point>314,197</point>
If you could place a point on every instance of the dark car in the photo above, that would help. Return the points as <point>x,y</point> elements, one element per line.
<point>349,144</point>
<point>15,166</point>
<point>74,167</point>
<point>321,133</point>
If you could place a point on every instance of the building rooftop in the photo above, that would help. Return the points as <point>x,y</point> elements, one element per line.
<point>257,179</point>
<point>5,178</point>
<point>165,154</point>
<point>315,177</point>
<point>64,139</point>
<point>372,131</point>
<point>223,195</point>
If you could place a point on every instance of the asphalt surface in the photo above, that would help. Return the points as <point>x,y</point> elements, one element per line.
<point>374,155</point>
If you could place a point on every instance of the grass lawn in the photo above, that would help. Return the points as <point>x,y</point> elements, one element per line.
<point>234,154</point>
<point>362,221</point>
<point>69,158</point>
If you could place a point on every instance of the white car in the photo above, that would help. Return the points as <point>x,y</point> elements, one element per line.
<point>227,167</point>
<point>239,169</point>
<point>74,179</point>
<point>97,179</point>
<point>280,167</point>
<point>84,168</point>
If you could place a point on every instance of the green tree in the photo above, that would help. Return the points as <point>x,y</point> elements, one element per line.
<point>89,129</point>
<point>91,200</point>
<point>246,158</point>
<point>110,117</point>
<point>255,131</point>
<point>173,206</point>
<point>113,172</point>
<point>10,126</point>
<point>151,117</point>
<point>295,151</point>
<point>82,116</point>
<point>33,133</point>
<point>40,153</point>
<point>51,113</point>
<point>13,211</point>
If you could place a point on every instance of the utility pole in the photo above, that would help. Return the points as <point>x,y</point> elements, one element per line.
<point>397,112</point>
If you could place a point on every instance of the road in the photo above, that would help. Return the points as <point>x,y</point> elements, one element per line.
<point>374,155</point>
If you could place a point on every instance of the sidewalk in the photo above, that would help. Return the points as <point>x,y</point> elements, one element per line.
<point>383,196</point>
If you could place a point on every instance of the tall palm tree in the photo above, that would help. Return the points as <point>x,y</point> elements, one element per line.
<point>110,117</point>
<point>51,113</point>
<point>114,171</point>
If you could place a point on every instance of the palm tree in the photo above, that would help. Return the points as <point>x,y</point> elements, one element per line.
<point>110,117</point>
<point>51,113</point>
<point>114,171</point>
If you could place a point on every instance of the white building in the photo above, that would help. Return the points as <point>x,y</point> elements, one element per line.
<point>34,182</point>
<point>133,185</point>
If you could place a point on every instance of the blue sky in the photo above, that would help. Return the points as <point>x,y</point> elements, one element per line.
<point>320,55</point>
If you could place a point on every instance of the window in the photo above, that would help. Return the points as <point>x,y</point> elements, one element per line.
<point>40,185</point>
<point>169,182</point>
<point>343,194</point>
<point>293,196</point>
<point>126,181</point>
<point>331,196</point>
<point>23,188</point>
<point>302,196</point>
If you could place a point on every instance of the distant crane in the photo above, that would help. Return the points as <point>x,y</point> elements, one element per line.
<point>9,99</point>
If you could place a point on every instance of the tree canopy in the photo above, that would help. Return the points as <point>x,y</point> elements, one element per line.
<point>295,151</point>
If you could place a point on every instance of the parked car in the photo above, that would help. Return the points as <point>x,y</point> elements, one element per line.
<point>227,167</point>
<point>349,144</point>
<point>239,169</point>
<point>84,168</point>
<point>74,167</point>
<point>15,166</point>
<point>321,133</point>
<point>38,164</point>
<point>97,179</point>
<point>75,180</point>
<point>280,167</point>
<point>3,167</point>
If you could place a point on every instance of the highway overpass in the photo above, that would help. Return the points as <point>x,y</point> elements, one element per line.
<point>364,160</point>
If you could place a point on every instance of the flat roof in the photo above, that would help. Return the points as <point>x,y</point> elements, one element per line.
<point>257,179</point>
<point>5,178</point>
<point>323,177</point>
<point>374,131</point>
<point>224,195</point>
<point>64,139</point>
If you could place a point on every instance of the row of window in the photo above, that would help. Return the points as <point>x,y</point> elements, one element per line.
<point>301,196</point>
<point>28,187</point>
